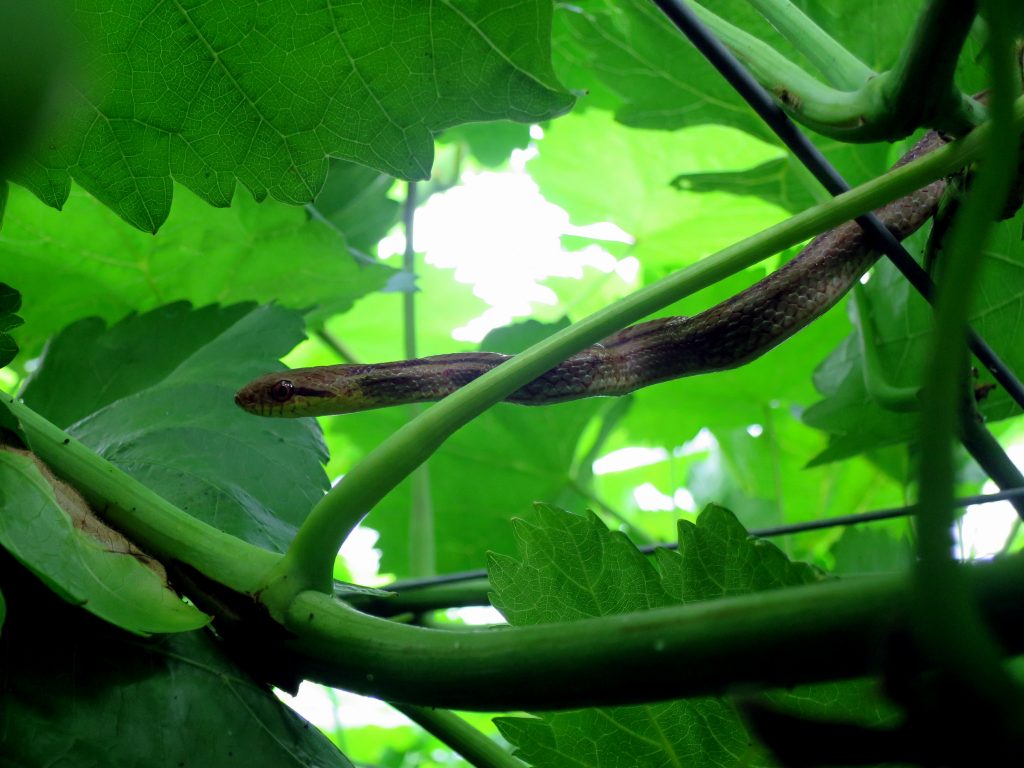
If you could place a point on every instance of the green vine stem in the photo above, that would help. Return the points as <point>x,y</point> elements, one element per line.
<point>474,746</point>
<point>808,100</point>
<point>784,637</point>
<point>948,622</point>
<point>919,90</point>
<point>840,67</point>
<point>308,562</point>
<point>152,522</point>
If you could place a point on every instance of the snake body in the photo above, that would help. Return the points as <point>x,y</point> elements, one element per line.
<point>727,335</point>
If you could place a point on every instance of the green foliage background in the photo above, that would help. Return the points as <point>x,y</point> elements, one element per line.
<point>180,264</point>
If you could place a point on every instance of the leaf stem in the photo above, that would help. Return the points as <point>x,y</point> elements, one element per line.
<point>474,746</point>
<point>840,67</point>
<point>308,562</point>
<point>151,521</point>
<point>811,102</point>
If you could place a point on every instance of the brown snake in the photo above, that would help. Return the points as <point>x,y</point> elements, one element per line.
<point>727,335</point>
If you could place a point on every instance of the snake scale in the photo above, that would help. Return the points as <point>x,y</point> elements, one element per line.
<point>727,335</point>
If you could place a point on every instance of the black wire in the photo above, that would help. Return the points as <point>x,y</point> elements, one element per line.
<point>746,86</point>
<point>761,533</point>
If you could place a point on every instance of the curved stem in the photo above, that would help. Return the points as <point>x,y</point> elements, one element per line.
<point>777,638</point>
<point>308,562</point>
<point>920,88</point>
<point>838,65</point>
<point>811,102</point>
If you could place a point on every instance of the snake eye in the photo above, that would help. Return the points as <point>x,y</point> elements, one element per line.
<point>281,391</point>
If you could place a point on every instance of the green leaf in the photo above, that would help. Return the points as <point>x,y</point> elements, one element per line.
<point>10,303</point>
<point>355,199</point>
<point>179,92</point>
<point>153,394</point>
<point>490,143</point>
<point>489,471</point>
<point>572,567</point>
<point>772,180</point>
<point>82,261</point>
<point>78,692</point>
<point>863,550</point>
<point>52,532</point>
<point>515,338</point>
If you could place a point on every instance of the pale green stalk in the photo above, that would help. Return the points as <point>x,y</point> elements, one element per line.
<point>840,67</point>
<point>474,747</point>
<point>807,98</point>
<point>308,562</point>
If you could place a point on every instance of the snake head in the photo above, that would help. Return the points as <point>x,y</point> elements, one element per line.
<point>297,393</point>
<point>280,394</point>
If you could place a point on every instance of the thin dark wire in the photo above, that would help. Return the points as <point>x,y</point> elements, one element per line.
<point>761,533</point>
<point>808,154</point>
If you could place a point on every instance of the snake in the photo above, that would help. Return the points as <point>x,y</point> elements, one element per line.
<point>729,334</point>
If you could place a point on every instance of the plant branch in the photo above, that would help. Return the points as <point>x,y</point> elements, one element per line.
<point>840,67</point>
<point>474,746</point>
<point>306,565</point>
<point>783,637</point>
<point>152,522</point>
<point>920,90</point>
<point>948,622</point>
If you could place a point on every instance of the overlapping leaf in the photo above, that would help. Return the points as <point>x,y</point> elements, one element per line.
<point>51,530</point>
<point>82,261</point>
<point>153,394</point>
<point>572,567</point>
<point>215,93</point>
<point>10,303</point>
<point>77,691</point>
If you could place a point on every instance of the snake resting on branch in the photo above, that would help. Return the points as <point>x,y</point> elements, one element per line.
<point>727,335</point>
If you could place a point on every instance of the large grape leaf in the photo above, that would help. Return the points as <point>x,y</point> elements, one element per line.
<point>50,529</point>
<point>570,567</point>
<point>78,692</point>
<point>153,395</point>
<point>262,93</point>
<point>83,262</point>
